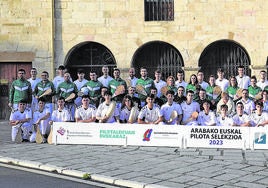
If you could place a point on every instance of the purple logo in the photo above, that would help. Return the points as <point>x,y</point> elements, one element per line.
<point>61,131</point>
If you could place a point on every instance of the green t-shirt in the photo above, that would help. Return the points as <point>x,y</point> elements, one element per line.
<point>147,83</point>
<point>41,87</point>
<point>20,90</point>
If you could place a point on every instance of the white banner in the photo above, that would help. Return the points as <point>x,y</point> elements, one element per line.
<point>216,137</point>
<point>156,135</point>
<point>160,135</point>
<point>116,134</point>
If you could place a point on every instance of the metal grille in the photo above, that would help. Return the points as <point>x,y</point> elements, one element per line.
<point>226,54</point>
<point>158,55</point>
<point>89,56</point>
<point>159,10</point>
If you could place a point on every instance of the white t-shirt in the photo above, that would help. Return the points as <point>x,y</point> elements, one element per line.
<point>85,114</point>
<point>166,111</point>
<point>125,113</point>
<point>224,83</point>
<point>17,115</point>
<point>149,115</point>
<point>79,85</point>
<point>34,82</point>
<point>204,85</point>
<point>102,111</point>
<point>238,120</point>
<point>61,116</point>
<point>37,114</point>
<point>256,119</point>
<point>58,79</point>
<point>262,84</point>
<point>105,81</point>
<point>206,119</point>
<point>227,121</point>
<point>159,86</point>
<point>188,109</point>
<point>183,84</point>
<point>243,82</point>
<point>249,105</point>
<point>133,81</point>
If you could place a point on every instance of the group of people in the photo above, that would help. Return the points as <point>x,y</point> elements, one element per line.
<point>37,103</point>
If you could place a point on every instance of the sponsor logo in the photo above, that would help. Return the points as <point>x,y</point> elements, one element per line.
<point>260,138</point>
<point>61,131</point>
<point>147,135</point>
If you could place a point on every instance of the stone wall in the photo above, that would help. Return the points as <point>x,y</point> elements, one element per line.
<point>26,25</point>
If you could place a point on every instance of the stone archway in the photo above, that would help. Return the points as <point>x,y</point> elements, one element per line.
<point>226,54</point>
<point>89,56</point>
<point>158,55</point>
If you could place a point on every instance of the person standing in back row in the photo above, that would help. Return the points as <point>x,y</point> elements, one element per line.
<point>80,82</point>
<point>65,90</point>
<point>34,81</point>
<point>60,77</point>
<point>42,87</point>
<point>146,82</point>
<point>20,90</point>
<point>105,78</point>
<point>243,81</point>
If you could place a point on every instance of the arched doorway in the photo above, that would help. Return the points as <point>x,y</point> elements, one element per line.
<point>158,55</point>
<point>89,56</point>
<point>226,54</point>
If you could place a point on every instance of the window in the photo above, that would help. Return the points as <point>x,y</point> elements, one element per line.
<point>158,10</point>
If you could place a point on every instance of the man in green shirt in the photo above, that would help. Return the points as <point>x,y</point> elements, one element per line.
<point>20,90</point>
<point>43,87</point>
<point>114,84</point>
<point>253,89</point>
<point>94,88</point>
<point>146,82</point>
<point>67,89</point>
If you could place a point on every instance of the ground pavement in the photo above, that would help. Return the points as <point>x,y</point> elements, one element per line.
<point>143,167</point>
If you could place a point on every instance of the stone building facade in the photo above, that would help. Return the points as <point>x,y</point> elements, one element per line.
<point>44,33</point>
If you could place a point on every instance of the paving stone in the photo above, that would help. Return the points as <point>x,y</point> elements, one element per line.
<point>115,172</point>
<point>183,179</point>
<point>257,163</point>
<point>167,176</point>
<point>254,168</point>
<point>204,174</point>
<point>263,181</point>
<point>234,171</point>
<point>250,178</point>
<point>226,177</point>
<point>237,166</point>
<point>211,181</point>
<point>247,184</point>
<point>146,180</point>
<point>171,184</point>
<point>131,175</point>
<point>202,185</point>
<point>211,169</point>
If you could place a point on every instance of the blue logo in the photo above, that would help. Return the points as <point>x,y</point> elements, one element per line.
<point>260,138</point>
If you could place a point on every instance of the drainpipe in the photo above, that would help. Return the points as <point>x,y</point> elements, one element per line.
<point>53,38</point>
